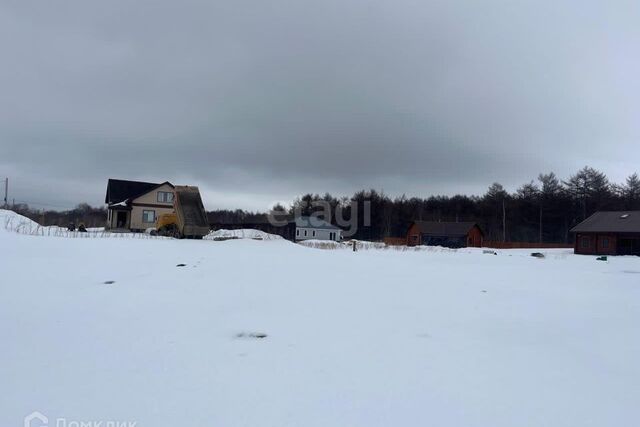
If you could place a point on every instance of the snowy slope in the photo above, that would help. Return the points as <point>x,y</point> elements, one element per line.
<point>11,221</point>
<point>372,338</point>
<point>244,233</point>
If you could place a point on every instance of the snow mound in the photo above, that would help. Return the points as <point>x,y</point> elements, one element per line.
<point>12,221</point>
<point>366,245</point>
<point>322,244</point>
<point>243,233</point>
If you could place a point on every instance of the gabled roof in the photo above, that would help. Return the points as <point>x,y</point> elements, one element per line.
<point>616,222</point>
<point>455,229</point>
<point>314,222</point>
<point>119,190</point>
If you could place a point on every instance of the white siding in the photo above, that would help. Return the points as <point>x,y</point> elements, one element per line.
<point>317,234</point>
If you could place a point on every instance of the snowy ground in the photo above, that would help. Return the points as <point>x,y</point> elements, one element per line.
<point>372,338</point>
<point>241,234</point>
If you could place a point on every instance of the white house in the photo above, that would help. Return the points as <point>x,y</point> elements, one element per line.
<point>314,228</point>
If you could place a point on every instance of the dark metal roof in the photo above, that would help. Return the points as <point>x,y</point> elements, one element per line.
<point>434,228</point>
<point>612,222</point>
<point>119,190</point>
<point>314,222</point>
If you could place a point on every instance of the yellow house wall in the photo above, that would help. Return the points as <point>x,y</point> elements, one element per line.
<point>149,201</point>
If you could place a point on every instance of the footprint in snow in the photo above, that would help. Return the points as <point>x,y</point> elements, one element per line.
<point>109,282</point>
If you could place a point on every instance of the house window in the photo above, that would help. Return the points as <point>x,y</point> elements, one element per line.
<point>305,233</point>
<point>605,243</point>
<point>148,217</point>
<point>585,241</point>
<point>314,233</point>
<point>297,232</point>
<point>165,196</point>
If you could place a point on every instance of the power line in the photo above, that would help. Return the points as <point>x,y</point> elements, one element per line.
<point>27,202</point>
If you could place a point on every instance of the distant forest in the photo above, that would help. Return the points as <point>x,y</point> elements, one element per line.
<point>539,211</point>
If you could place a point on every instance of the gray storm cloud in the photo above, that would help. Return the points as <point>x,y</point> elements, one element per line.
<point>259,101</point>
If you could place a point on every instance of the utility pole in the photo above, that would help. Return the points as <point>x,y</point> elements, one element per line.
<point>6,192</point>
<point>504,222</point>
<point>540,236</point>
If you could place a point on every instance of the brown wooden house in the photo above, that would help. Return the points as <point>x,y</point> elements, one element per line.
<point>608,233</point>
<point>448,234</point>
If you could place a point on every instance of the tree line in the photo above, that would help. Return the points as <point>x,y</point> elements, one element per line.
<point>82,214</point>
<point>542,210</point>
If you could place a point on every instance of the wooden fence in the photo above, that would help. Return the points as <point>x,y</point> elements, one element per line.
<point>401,241</point>
<point>525,245</point>
<point>395,241</point>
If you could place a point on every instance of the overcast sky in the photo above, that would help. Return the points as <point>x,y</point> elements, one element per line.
<point>260,101</point>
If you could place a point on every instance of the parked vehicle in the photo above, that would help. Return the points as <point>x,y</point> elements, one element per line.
<point>189,219</point>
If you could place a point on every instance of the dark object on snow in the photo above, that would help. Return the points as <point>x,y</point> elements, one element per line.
<point>258,335</point>
<point>82,228</point>
<point>71,227</point>
<point>170,230</point>
<point>486,251</point>
<point>601,258</point>
<point>355,246</point>
<point>109,282</point>
<point>181,265</point>
<point>537,255</point>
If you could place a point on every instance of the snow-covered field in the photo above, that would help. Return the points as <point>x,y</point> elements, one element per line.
<point>241,234</point>
<point>371,338</point>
